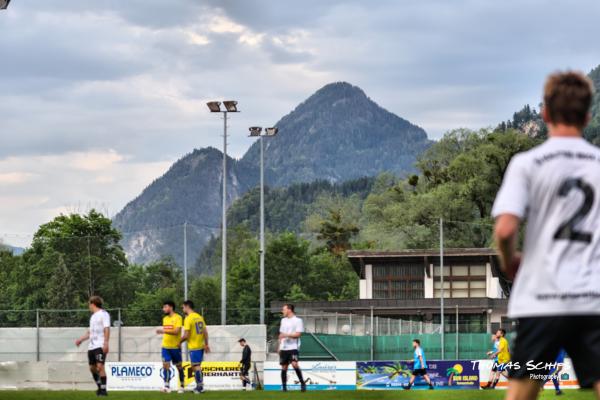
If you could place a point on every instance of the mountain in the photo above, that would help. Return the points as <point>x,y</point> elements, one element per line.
<point>286,209</point>
<point>529,121</point>
<point>592,132</point>
<point>152,224</point>
<point>338,134</point>
<point>17,251</point>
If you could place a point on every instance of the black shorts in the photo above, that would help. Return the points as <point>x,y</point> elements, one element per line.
<point>245,370</point>
<point>539,339</point>
<point>96,356</point>
<point>286,357</point>
<point>419,372</point>
<point>495,366</point>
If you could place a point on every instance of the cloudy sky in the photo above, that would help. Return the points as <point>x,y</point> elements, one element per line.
<point>98,98</point>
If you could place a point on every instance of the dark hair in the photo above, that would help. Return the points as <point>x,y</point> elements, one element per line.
<point>417,341</point>
<point>503,331</point>
<point>567,98</point>
<point>169,303</point>
<point>97,301</point>
<point>189,303</point>
<point>289,306</point>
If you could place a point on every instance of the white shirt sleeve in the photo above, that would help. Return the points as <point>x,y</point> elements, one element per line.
<point>513,196</point>
<point>106,320</point>
<point>281,330</point>
<point>299,325</point>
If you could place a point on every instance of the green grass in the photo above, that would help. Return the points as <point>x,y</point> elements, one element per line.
<point>415,394</point>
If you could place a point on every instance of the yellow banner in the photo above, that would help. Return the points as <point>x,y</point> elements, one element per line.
<point>214,371</point>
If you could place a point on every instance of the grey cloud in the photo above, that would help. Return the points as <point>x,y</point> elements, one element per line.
<point>124,75</point>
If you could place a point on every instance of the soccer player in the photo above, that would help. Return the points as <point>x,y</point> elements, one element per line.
<point>419,366</point>
<point>495,374</point>
<point>99,335</point>
<point>290,330</point>
<point>501,356</point>
<point>555,187</point>
<point>245,362</point>
<point>560,362</point>
<point>171,352</point>
<point>196,334</point>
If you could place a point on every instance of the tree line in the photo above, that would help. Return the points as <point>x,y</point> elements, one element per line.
<point>74,256</point>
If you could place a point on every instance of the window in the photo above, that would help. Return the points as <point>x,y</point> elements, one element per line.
<point>461,281</point>
<point>398,281</point>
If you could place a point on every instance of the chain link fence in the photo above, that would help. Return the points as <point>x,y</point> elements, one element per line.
<point>49,335</point>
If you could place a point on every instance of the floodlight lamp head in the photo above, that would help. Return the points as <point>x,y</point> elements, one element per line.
<point>255,130</point>
<point>271,131</point>
<point>230,105</point>
<point>214,106</point>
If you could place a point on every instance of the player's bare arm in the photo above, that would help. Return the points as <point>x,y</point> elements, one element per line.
<point>106,339</point>
<point>173,332</point>
<point>294,335</point>
<point>83,338</point>
<point>206,346</point>
<point>186,336</point>
<point>506,231</point>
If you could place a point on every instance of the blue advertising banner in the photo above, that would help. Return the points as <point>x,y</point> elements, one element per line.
<point>390,375</point>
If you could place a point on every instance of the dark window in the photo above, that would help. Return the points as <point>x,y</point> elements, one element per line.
<point>398,281</point>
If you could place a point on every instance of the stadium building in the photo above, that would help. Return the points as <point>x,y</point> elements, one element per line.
<point>406,286</point>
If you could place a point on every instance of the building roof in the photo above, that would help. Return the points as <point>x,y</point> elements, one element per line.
<point>420,253</point>
<point>358,258</point>
<point>401,307</point>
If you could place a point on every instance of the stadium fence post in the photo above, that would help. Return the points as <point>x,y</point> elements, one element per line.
<point>350,323</point>
<point>372,350</point>
<point>119,333</point>
<point>443,343</point>
<point>37,334</point>
<point>457,331</point>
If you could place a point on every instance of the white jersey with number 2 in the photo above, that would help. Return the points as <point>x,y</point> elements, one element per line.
<point>555,187</point>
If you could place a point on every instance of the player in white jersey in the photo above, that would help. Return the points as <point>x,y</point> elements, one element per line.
<point>555,188</point>
<point>99,335</point>
<point>290,331</point>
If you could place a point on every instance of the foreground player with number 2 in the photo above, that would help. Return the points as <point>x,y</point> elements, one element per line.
<point>555,187</point>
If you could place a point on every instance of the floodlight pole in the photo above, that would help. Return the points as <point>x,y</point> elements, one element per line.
<point>224,228</point>
<point>262,233</point>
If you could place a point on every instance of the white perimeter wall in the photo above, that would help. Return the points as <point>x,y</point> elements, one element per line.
<point>136,343</point>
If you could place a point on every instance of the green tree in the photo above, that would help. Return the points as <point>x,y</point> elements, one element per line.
<point>87,246</point>
<point>337,233</point>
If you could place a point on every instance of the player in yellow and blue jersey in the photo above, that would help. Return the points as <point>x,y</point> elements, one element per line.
<point>171,350</point>
<point>196,334</point>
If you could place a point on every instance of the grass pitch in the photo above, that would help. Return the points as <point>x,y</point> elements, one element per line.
<point>316,395</point>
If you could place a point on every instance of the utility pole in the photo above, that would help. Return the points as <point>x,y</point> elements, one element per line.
<point>442,284</point>
<point>185,269</point>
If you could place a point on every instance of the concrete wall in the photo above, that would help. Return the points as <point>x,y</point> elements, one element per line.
<point>134,343</point>
<point>51,375</point>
